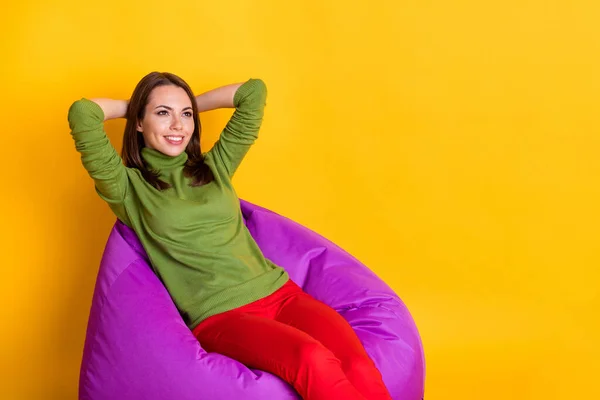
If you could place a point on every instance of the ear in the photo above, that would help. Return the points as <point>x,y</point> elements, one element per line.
<point>138,126</point>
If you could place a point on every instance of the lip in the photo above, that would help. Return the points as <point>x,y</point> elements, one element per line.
<point>174,142</point>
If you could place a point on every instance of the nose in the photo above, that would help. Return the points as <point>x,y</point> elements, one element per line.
<point>176,123</point>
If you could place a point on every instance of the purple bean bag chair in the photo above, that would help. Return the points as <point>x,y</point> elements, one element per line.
<point>138,347</point>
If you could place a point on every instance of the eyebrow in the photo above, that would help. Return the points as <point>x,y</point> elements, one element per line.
<point>169,108</point>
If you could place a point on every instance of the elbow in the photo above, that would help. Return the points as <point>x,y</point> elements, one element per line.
<point>84,109</point>
<point>252,94</point>
<point>259,93</point>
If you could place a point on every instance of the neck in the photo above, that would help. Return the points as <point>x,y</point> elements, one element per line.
<point>159,161</point>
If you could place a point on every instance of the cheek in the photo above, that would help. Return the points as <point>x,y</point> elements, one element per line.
<point>152,129</point>
<point>148,137</point>
<point>156,127</point>
<point>190,125</point>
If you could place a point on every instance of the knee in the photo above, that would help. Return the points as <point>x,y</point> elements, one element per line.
<point>314,354</point>
<point>358,366</point>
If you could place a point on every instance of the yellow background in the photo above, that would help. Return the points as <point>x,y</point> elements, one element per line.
<point>452,146</point>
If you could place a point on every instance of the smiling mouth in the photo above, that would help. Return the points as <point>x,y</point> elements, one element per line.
<point>174,139</point>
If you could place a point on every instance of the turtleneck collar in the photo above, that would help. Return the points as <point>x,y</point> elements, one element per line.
<point>159,161</point>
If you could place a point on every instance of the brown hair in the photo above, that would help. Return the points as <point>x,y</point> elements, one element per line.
<point>133,140</point>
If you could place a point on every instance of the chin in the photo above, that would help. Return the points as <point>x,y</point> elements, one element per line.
<point>173,150</point>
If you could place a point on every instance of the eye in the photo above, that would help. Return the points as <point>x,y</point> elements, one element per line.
<point>162,111</point>
<point>188,114</point>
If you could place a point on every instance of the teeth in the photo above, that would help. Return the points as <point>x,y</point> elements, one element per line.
<point>175,138</point>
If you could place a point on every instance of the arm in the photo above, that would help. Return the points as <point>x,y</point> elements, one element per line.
<point>221,97</point>
<point>240,133</point>
<point>112,109</point>
<point>98,156</point>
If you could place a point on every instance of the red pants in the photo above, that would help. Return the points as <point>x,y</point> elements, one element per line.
<point>301,340</point>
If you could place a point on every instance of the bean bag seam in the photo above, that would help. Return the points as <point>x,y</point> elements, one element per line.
<point>371,306</point>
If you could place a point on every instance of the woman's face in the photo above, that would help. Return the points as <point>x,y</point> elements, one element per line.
<point>168,122</point>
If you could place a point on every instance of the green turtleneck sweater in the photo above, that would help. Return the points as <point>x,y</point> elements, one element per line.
<point>195,237</point>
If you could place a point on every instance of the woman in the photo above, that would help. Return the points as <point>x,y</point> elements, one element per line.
<point>184,209</point>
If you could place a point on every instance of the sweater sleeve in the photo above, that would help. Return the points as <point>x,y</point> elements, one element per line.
<point>98,156</point>
<point>242,129</point>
